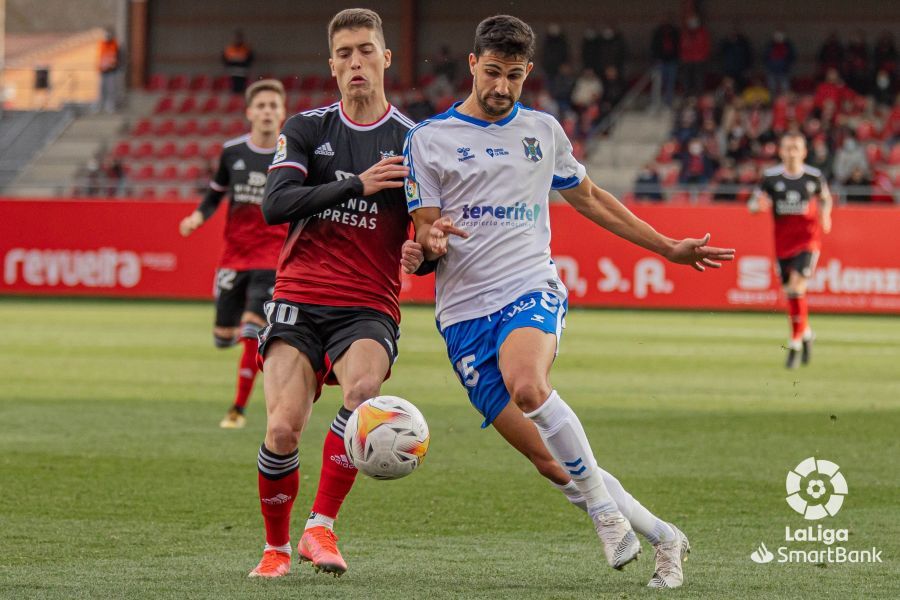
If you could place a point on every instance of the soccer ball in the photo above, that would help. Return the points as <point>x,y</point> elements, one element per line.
<point>386,437</point>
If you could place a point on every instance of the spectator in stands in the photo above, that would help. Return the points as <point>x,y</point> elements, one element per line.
<point>779,59</point>
<point>737,144</point>
<point>726,183</point>
<point>590,51</point>
<point>238,58</point>
<point>647,184</point>
<point>756,93</point>
<point>885,52</point>
<point>820,157</point>
<point>725,93</point>
<point>694,55</point>
<point>849,157</point>
<point>831,54</point>
<point>611,50</point>
<point>884,88</point>
<point>562,86</point>
<point>832,89</point>
<point>859,186</point>
<point>419,107</point>
<point>665,49</point>
<point>446,66</point>
<point>856,64</point>
<point>687,121</point>
<point>555,52</point>
<point>109,63</point>
<point>588,90</point>
<point>544,101</point>
<point>614,88</point>
<point>736,55</point>
<point>113,174</point>
<point>697,167</point>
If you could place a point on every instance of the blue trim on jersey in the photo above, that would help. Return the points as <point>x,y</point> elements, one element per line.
<point>564,183</point>
<point>406,154</point>
<point>512,115</point>
<point>413,205</point>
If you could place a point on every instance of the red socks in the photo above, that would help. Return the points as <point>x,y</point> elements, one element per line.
<point>799,315</point>
<point>338,473</point>
<point>247,370</point>
<point>279,480</point>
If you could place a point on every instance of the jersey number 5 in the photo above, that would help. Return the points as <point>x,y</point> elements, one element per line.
<point>467,372</point>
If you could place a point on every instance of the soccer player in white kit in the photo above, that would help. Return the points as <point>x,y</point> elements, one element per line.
<point>477,190</point>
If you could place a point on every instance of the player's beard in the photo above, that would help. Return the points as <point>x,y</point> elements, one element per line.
<point>491,110</point>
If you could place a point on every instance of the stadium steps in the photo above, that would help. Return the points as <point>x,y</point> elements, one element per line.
<point>23,134</point>
<point>635,140</point>
<point>54,170</point>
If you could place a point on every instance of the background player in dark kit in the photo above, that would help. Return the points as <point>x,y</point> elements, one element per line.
<point>246,273</point>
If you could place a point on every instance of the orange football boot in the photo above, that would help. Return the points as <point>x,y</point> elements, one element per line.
<point>319,546</point>
<point>273,564</point>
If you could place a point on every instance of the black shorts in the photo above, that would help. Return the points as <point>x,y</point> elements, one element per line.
<point>804,263</point>
<point>323,333</point>
<point>238,292</point>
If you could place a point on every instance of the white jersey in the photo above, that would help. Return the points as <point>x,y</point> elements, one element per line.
<point>493,180</point>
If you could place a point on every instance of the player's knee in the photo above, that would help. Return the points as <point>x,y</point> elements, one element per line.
<point>528,393</point>
<point>282,437</point>
<point>361,389</point>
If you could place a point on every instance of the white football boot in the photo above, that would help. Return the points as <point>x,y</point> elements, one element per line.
<point>620,544</point>
<point>669,559</point>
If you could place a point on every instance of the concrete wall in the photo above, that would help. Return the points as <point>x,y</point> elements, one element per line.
<point>37,16</point>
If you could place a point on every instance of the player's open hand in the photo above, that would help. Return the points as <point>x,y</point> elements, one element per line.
<point>386,173</point>
<point>190,223</point>
<point>411,256</point>
<point>439,235</point>
<point>695,252</point>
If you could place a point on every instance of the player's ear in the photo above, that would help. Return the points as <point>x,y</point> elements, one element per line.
<point>387,58</point>
<point>528,68</point>
<point>331,66</point>
<point>473,60</point>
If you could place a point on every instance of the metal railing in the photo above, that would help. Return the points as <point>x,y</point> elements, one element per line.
<point>731,192</point>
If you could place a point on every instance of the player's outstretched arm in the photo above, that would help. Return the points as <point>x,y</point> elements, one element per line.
<point>604,209</point>
<point>204,211</point>
<point>825,209</point>
<point>433,231</point>
<point>288,199</point>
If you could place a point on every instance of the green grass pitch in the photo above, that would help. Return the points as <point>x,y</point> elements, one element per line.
<point>116,482</point>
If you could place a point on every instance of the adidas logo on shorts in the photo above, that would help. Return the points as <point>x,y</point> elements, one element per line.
<point>325,149</point>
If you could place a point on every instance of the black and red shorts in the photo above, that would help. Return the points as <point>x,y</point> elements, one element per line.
<point>803,263</point>
<point>238,292</point>
<point>323,333</point>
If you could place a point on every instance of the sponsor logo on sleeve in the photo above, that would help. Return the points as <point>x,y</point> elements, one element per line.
<point>280,149</point>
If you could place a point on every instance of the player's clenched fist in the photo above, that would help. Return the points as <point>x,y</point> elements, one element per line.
<point>190,223</point>
<point>439,235</point>
<point>386,173</point>
<point>411,256</point>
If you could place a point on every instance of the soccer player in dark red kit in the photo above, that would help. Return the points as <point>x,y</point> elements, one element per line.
<point>246,273</point>
<point>801,205</point>
<point>337,178</point>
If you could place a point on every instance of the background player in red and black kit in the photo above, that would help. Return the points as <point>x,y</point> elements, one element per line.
<point>246,273</point>
<point>337,178</point>
<point>792,189</point>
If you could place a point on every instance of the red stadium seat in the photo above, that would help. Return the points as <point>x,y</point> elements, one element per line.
<point>157,83</point>
<point>142,127</point>
<point>201,83</point>
<point>311,83</point>
<point>235,104</point>
<point>192,173</point>
<point>122,149</point>
<point>170,173</point>
<point>189,151</point>
<point>178,83</point>
<point>873,153</point>
<point>212,151</point>
<point>210,105</point>
<point>144,150</point>
<point>172,193</point>
<point>166,150</point>
<point>188,128</point>
<point>235,128</point>
<point>165,105</point>
<point>221,83</point>
<point>304,102</point>
<point>145,173</point>
<point>163,128</point>
<point>865,131</point>
<point>290,83</point>
<point>188,105</point>
<point>211,127</point>
<point>667,152</point>
<point>148,193</point>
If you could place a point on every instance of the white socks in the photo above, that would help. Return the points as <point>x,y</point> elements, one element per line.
<point>564,437</point>
<point>286,549</point>
<point>642,520</point>
<point>317,520</point>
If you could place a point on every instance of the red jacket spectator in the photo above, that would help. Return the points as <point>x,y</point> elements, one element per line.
<point>695,45</point>
<point>834,89</point>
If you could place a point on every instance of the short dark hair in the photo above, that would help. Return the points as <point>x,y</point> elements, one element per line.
<point>505,35</point>
<point>264,85</point>
<point>355,18</point>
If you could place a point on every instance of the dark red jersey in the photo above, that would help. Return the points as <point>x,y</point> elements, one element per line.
<point>794,208</point>
<point>250,243</point>
<point>349,254</point>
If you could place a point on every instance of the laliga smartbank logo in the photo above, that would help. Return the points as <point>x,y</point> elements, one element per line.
<point>815,489</point>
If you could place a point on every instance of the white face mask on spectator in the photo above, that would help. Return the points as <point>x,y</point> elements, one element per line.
<point>695,148</point>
